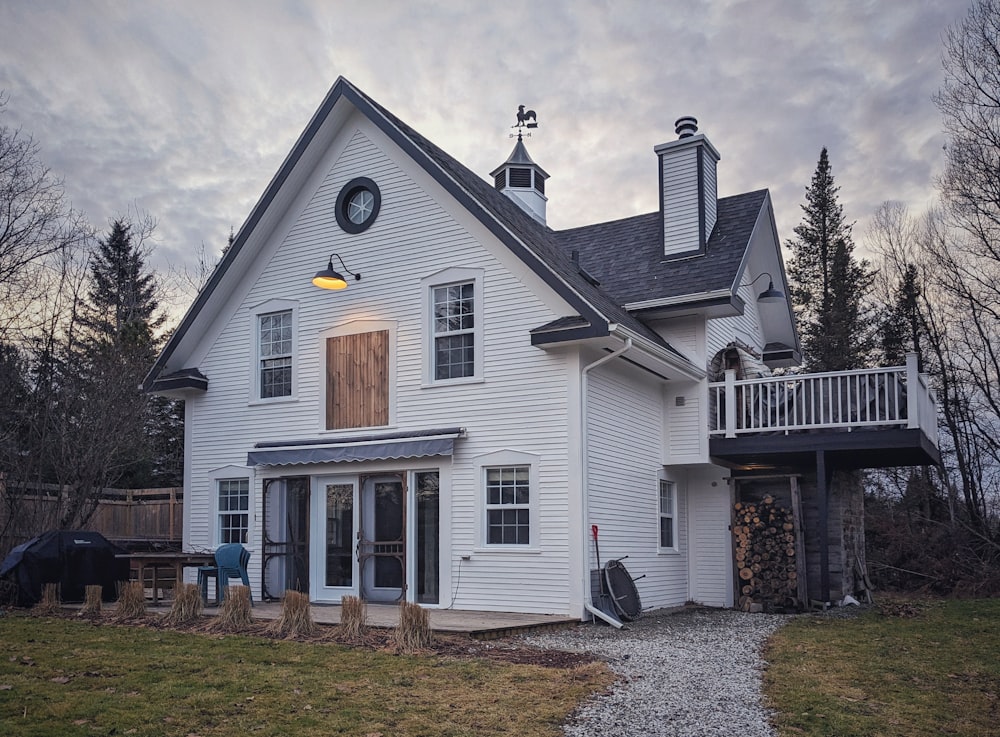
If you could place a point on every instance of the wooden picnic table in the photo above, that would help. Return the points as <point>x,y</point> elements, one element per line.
<point>157,561</point>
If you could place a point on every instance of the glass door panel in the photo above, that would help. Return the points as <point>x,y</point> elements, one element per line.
<point>428,552</point>
<point>286,536</point>
<point>339,539</point>
<point>383,542</point>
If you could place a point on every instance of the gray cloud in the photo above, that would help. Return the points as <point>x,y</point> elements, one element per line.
<point>187,108</point>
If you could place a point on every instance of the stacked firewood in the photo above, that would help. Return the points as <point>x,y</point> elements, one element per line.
<point>765,555</point>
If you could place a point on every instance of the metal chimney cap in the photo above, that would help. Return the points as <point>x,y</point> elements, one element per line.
<point>686,127</point>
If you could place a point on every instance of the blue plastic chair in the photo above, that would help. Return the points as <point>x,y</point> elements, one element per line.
<point>231,561</point>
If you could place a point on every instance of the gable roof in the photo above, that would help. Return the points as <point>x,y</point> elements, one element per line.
<point>626,272</point>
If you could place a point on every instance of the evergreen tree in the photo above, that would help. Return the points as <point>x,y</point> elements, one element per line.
<point>122,320</point>
<point>828,284</point>
<point>122,306</point>
<point>901,324</point>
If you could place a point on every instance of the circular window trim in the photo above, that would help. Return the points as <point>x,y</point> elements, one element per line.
<point>344,199</point>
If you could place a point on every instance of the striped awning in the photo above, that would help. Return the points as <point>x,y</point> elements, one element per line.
<point>348,450</point>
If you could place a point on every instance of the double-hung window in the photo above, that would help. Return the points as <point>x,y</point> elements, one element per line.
<point>453,327</point>
<point>274,336</point>
<point>508,505</point>
<point>234,510</point>
<point>454,331</point>
<point>668,515</point>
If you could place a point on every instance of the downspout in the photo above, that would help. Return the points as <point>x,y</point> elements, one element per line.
<point>584,442</point>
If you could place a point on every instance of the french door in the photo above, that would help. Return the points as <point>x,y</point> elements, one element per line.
<point>378,537</point>
<point>382,542</point>
<point>286,545</point>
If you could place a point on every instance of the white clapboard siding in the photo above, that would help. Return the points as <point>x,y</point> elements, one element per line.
<point>710,182</point>
<point>687,436</point>
<point>625,464</point>
<point>681,216</point>
<point>686,334</point>
<point>521,404</point>
<point>685,431</point>
<point>722,331</point>
<point>689,178</point>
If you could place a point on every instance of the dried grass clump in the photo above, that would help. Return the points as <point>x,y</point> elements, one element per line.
<point>92,604</point>
<point>353,617</point>
<point>414,631</point>
<point>234,611</point>
<point>131,601</point>
<point>49,603</point>
<point>187,606</point>
<point>296,617</point>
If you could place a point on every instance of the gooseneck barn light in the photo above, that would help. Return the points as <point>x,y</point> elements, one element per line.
<point>330,278</point>
<point>770,294</point>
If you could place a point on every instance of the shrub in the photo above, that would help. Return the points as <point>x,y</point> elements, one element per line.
<point>353,617</point>
<point>414,631</point>
<point>296,616</point>
<point>92,601</point>
<point>234,612</point>
<point>131,601</point>
<point>49,603</point>
<point>187,606</point>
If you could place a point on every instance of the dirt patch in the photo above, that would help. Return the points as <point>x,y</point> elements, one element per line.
<point>507,650</point>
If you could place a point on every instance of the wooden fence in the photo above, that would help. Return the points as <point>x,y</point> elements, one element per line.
<point>139,514</point>
<point>127,515</point>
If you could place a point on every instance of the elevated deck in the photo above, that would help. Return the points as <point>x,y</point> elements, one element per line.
<point>867,418</point>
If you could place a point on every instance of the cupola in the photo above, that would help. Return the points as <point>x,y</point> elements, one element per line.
<point>523,181</point>
<point>688,189</point>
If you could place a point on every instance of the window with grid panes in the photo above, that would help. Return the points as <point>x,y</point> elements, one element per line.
<point>234,510</point>
<point>454,331</point>
<point>275,354</point>
<point>508,506</point>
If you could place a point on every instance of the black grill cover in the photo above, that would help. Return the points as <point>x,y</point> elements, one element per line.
<point>73,559</point>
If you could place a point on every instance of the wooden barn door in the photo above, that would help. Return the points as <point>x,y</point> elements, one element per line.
<point>357,380</point>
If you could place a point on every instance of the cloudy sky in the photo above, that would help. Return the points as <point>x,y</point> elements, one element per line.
<point>186,108</point>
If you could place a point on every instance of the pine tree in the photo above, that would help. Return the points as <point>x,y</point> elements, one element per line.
<point>122,320</point>
<point>902,329</point>
<point>828,284</point>
<point>122,314</point>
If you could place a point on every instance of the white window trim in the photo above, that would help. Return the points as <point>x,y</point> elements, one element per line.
<point>231,473</point>
<point>255,313</point>
<point>507,457</point>
<point>353,328</point>
<point>445,278</point>
<point>675,513</point>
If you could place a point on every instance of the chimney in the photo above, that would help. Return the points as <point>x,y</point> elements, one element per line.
<point>688,189</point>
<point>523,181</point>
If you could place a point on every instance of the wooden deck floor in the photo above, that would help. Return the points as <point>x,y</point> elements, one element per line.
<point>480,625</point>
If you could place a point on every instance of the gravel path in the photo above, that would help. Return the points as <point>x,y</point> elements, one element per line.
<point>687,673</point>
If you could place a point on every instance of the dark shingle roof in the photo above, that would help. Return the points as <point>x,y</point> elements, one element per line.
<point>627,255</point>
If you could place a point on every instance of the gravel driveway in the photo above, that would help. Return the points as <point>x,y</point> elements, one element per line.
<point>682,673</point>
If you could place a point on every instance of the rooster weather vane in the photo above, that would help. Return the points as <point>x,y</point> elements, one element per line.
<point>525,119</point>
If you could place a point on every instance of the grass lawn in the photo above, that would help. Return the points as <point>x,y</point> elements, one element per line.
<point>935,671</point>
<point>60,677</point>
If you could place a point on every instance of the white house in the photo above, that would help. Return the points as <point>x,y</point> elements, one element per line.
<point>448,427</point>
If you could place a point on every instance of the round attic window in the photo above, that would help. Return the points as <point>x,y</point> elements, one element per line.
<point>358,204</point>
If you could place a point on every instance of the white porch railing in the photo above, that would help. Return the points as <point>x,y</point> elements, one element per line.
<point>839,400</point>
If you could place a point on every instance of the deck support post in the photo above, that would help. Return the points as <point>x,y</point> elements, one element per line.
<point>823,477</point>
